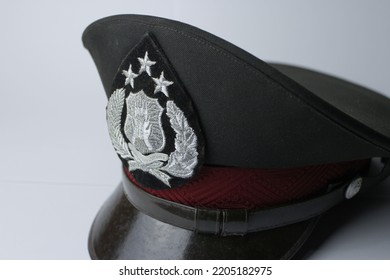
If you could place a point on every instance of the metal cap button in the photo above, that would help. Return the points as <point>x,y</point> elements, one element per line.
<point>353,188</point>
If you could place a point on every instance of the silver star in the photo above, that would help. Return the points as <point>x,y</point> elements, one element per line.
<point>145,64</point>
<point>162,84</point>
<point>130,76</point>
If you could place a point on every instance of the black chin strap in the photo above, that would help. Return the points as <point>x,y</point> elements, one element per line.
<point>227,222</point>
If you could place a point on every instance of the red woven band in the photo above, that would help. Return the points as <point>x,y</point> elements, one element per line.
<point>233,188</point>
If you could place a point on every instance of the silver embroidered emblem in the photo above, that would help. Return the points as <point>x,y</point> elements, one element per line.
<point>144,130</point>
<point>143,123</point>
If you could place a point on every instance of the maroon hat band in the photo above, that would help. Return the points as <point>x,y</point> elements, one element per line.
<point>250,188</point>
<point>228,222</point>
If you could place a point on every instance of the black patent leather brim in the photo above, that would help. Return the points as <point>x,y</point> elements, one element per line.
<point>120,231</point>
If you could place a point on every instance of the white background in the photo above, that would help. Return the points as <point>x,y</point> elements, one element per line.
<point>57,165</point>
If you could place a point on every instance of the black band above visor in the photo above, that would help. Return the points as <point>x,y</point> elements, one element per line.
<point>226,222</point>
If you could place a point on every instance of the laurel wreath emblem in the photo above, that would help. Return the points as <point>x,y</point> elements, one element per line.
<point>180,163</point>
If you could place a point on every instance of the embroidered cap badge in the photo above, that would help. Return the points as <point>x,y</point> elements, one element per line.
<point>152,124</point>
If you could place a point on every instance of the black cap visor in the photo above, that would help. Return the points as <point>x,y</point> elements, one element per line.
<point>120,231</point>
